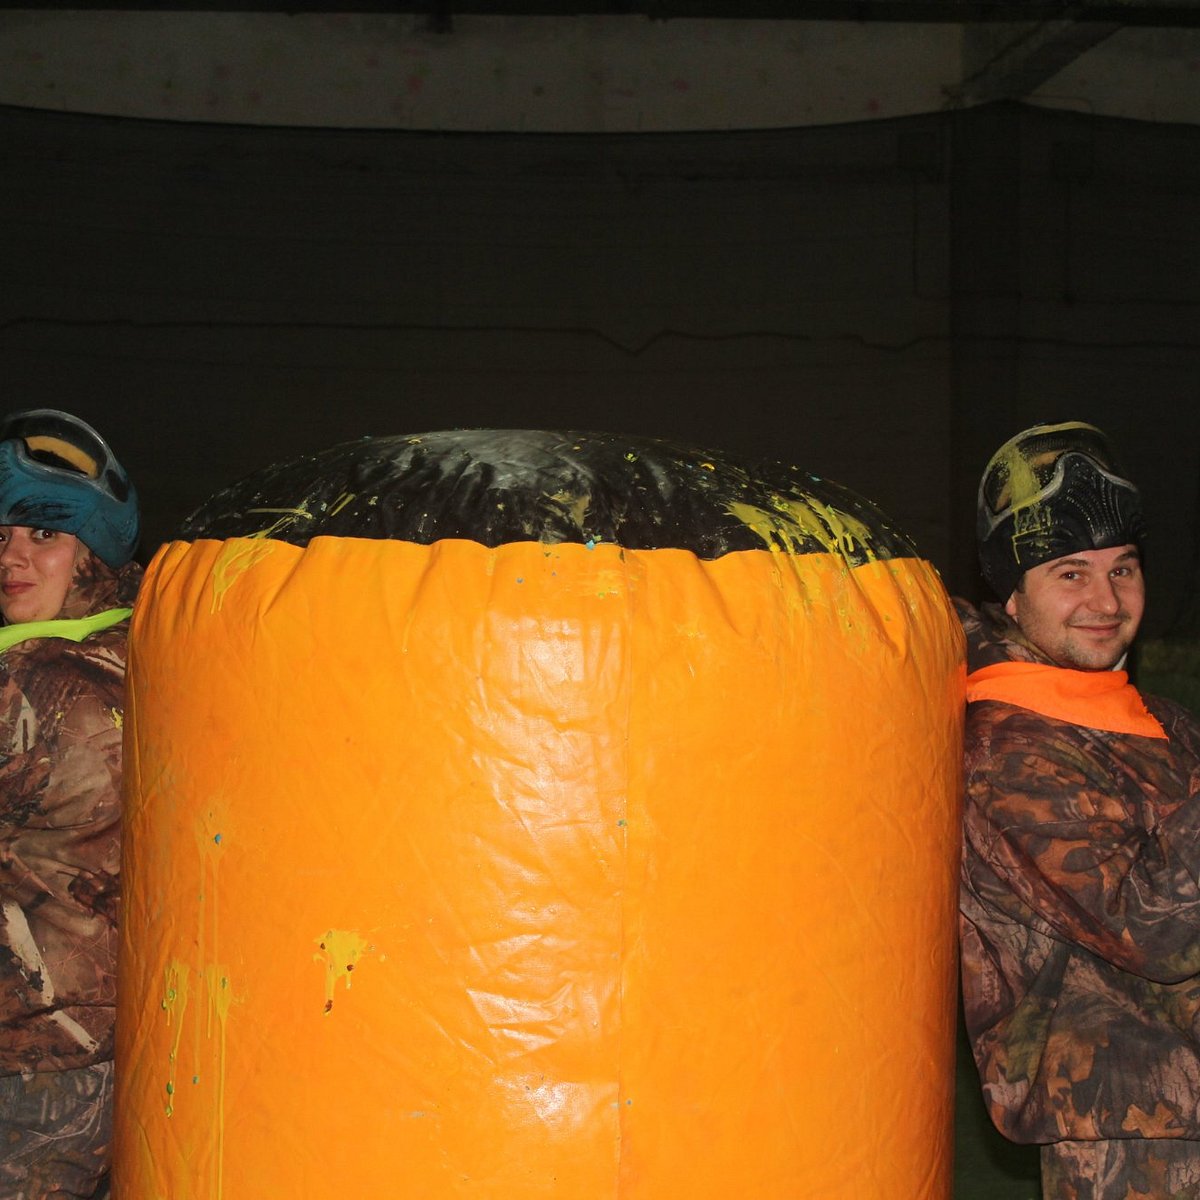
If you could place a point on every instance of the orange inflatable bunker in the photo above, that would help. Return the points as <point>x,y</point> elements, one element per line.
<point>516,815</point>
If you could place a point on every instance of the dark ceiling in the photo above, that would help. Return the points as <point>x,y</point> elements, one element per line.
<point>441,12</point>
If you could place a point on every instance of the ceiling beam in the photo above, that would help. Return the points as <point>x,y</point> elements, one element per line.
<point>1006,63</point>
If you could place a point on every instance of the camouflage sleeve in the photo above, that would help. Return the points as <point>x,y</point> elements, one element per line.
<point>1092,838</point>
<point>59,865</point>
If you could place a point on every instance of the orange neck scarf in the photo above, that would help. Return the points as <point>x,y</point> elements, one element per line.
<point>1095,699</point>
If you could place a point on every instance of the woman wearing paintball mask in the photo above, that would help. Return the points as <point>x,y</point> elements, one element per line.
<point>68,529</point>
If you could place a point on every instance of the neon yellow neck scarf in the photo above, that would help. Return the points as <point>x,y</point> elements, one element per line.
<point>74,630</point>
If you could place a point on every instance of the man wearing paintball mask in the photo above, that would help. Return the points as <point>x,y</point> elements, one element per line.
<point>1080,902</point>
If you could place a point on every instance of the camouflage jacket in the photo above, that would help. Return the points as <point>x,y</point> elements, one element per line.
<point>1080,915</point>
<point>61,705</point>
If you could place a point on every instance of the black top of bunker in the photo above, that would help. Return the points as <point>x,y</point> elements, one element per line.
<point>506,485</point>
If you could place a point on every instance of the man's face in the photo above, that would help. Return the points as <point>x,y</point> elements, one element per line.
<point>1082,610</point>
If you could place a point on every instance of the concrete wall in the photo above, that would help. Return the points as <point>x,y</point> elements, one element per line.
<point>579,74</point>
<point>548,74</point>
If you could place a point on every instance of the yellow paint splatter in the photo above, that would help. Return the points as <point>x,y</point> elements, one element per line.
<point>220,994</point>
<point>1030,521</point>
<point>608,582</point>
<point>789,524</point>
<point>286,517</point>
<point>209,1031</point>
<point>234,560</point>
<point>340,950</point>
<point>1020,493</point>
<point>576,506</point>
<point>1022,487</point>
<point>849,532</point>
<point>220,1000</point>
<point>174,1003</point>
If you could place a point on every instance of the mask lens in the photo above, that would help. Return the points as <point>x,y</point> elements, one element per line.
<point>1027,464</point>
<point>54,452</point>
<point>56,440</point>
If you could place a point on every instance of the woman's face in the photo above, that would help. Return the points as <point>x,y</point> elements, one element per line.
<point>36,568</point>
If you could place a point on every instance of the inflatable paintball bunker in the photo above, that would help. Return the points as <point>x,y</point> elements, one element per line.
<point>517,815</point>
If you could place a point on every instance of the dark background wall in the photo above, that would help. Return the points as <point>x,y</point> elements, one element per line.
<point>882,303</point>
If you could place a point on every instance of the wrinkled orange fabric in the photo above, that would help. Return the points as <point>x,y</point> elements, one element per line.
<point>1094,699</point>
<point>538,872</point>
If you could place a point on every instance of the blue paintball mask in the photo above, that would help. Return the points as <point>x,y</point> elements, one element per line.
<point>57,472</point>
